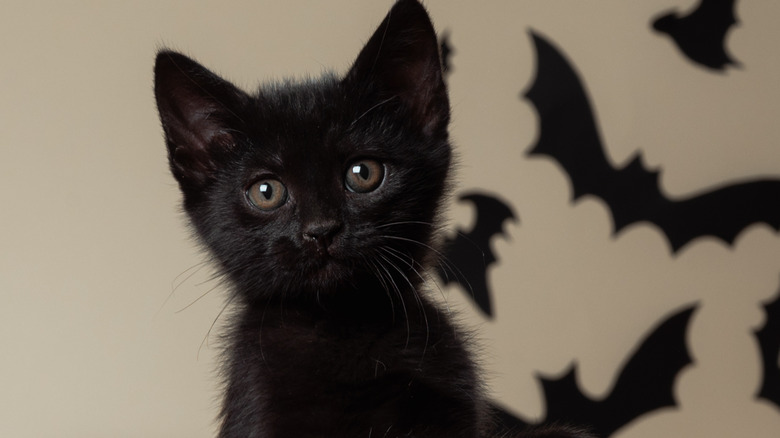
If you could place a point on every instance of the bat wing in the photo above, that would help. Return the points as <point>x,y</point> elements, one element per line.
<point>769,341</point>
<point>569,135</point>
<point>701,35</point>
<point>713,17</point>
<point>468,255</point>
<point>644,385</point>
<point>568,130</point>
<point>723,213</point>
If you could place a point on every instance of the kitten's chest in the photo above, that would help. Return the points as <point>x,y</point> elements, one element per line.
<point>329,353</point>
<point>314,376</point>
<point>342,379</point>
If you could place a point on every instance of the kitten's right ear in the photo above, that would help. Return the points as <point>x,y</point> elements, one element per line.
<point>199,112</point>
<point>401,61</point>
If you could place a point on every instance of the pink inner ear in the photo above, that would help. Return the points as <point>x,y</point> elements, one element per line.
<point>427,94</point>
<point>197,154</point>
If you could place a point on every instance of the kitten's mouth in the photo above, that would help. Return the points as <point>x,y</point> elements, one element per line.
<point>322,260</point>
<point>325,272</point>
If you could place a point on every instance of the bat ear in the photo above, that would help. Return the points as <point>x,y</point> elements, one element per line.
<point>401,61</point>
<point>199,115</point>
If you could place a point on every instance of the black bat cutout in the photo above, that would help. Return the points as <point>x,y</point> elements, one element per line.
<point>769,341</point>
<point>645,384</point>
<point>467,256</point>
<point>569,135</point>
<point>445,47</point>
<point>701,35</point>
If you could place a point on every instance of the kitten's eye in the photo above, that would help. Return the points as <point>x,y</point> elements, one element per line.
<point>267,194</point>
<point>364,176</point>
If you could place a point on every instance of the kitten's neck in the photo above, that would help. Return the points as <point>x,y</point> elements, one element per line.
<point>368,300</point>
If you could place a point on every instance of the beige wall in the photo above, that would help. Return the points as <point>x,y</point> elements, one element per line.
<point>101,321</point>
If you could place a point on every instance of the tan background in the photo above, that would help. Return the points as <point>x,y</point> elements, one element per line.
<point>101,320</point>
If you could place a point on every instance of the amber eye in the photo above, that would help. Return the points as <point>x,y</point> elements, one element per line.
<point>267,194</point>
<point>364,176</point>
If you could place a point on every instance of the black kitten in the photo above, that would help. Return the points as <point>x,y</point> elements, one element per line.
<point>318,200</point>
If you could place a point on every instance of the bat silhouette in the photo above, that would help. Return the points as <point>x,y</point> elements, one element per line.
<point>701,35</point>
<point>569,135</point>
<point>769,341</point>
<point>447,51</point>
<point>467,256</point>
<point>644,385</point>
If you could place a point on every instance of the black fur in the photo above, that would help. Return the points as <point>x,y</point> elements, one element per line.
<point>333,335</point>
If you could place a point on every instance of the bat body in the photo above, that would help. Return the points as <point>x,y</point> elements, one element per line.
<point>467,256</point>
<point>569,135</point>
<point>701,35</point>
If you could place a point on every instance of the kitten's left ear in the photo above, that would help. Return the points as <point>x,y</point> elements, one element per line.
<point>401,60</point>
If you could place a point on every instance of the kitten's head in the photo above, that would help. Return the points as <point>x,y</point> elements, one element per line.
<point>310,187</point>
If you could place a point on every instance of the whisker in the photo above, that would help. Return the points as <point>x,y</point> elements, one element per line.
<point>414,292</point>
<point>404,223</point>
<point>399,293</point>
<point>427,279</point>
<point>441,257</point>
<point>260,334</point>
<point>406,239</point>
<point>197,299</point>
<point>431,279</point>
<point>213,323</point>
<point>175,284</point>
<point>378,274</point>
<point>189,272</point>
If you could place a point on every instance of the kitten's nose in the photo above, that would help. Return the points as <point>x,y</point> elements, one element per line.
<point>322,232</point>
